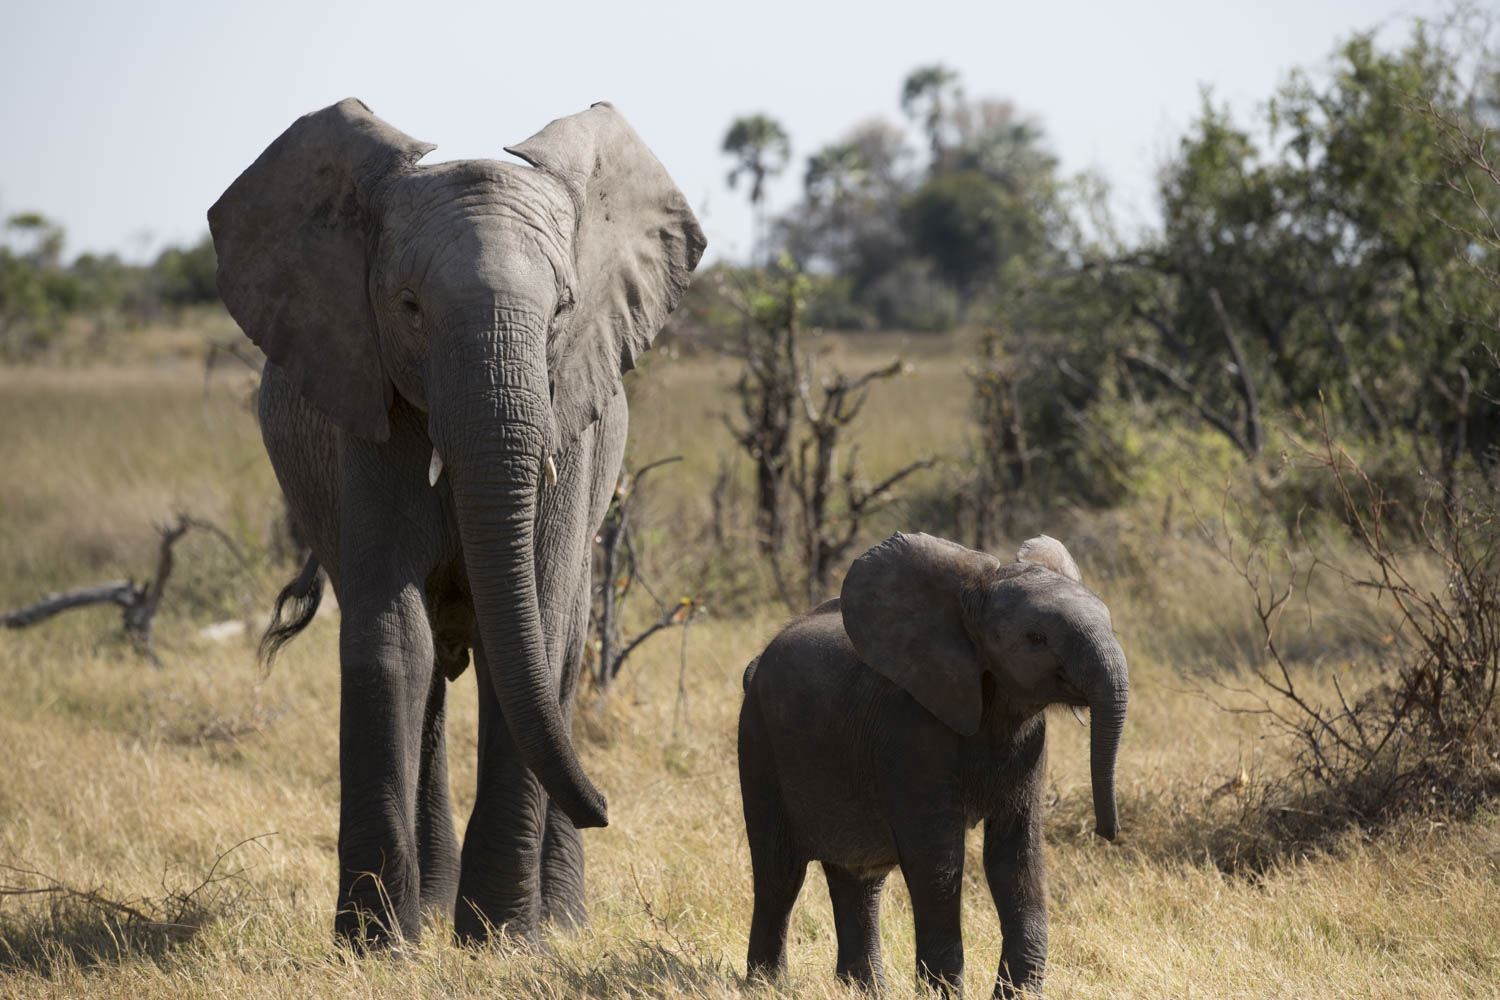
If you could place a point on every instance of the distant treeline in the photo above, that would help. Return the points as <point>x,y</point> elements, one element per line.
<point>39,292</point>
<point>1337,252</point>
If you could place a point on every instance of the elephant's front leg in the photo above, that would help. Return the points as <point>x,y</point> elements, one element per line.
<point>1016,872</point>
<point>931,846</point>
<point>568,517</point>
<point>562,844</point>
<point>385,648</point>
<point>499,875</point>
<point>388,542</point>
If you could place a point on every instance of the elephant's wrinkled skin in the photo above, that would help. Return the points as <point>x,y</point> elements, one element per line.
<point>442,407</point>
<point>880,726</point>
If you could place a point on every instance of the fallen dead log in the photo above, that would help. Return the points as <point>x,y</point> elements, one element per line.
<point>139,603</point>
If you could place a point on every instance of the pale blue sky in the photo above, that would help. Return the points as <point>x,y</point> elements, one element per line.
<point>124,121</point>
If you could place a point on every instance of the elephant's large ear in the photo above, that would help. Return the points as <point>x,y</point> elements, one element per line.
<point>637,244</point>
<point>1044,550</point>
<point>903,607</point>
<point>291,236</point>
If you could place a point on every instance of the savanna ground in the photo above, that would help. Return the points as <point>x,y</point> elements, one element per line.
<point>203,797</point>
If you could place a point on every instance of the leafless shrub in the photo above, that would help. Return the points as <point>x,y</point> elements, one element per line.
<point>43,918</point>
<point>794,423</point>
<point>1425,737</point>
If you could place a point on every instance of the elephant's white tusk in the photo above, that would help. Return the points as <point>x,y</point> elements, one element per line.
<point>549,469</point>
<point>1078,715</point>
<point>434,468</point>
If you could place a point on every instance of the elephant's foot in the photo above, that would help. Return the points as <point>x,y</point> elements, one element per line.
<point>365,932</point>
<point>476,925</point>
<point>378,913</point>
<point>562,873</point>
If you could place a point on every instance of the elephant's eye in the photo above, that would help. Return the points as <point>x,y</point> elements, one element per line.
<point>1036,638</point>
<point>410,307</point>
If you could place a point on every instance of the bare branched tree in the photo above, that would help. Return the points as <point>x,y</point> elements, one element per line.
<point>793,426</point>
<point>830,530</point>
<point>617,569</point>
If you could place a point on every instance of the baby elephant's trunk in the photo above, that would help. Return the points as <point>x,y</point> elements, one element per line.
<point>1108,697</point>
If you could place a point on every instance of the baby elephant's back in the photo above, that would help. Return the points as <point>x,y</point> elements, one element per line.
<point>806,673</point>
<point>814,702</point>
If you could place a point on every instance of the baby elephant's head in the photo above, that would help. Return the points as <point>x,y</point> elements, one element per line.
<point>936,618</point>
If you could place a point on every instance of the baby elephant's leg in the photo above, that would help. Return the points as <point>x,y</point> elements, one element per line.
<point>1016,872</point>
<point>856,918</point>
<point>778,879</point>
<point>932,861</point>
<point>776,870</point>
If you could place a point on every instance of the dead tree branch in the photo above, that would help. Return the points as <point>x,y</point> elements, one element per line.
<point>1175,379</point>
<point>1253,435</point>
<point>139,602</point>
<point>618,570</point>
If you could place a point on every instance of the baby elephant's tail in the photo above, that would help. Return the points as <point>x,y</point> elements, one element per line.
<point>750,673</point>
<point>304,593</point>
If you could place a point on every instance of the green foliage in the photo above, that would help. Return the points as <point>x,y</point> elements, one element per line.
<point>188,276</point>
<point>967,225</point>
<point>917,247</point>
<point>1337,258</point>
<point>38,293</point>
<point>34,291</point>
<point>1341,253</point>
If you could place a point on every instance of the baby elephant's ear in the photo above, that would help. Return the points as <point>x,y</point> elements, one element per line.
<point>1044,550</point>
<point>903,605</point>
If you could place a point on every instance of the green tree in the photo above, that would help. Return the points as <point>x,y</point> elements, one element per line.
<point>1333,266</point>
<point>185,276</point>
<point>761,149</point>
<point>997,201</point>
<point>35,291</point>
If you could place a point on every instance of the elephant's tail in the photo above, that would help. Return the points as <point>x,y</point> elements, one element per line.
<point>750,674</point>
<point>305,594</point>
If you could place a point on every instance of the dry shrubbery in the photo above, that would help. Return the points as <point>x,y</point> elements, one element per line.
<point>1424,737</point>
<point>1362,647</point>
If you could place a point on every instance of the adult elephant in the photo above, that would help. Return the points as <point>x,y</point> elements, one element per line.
<point>442,406</point>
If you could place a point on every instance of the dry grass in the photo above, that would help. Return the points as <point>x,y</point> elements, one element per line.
<point>131,782</point>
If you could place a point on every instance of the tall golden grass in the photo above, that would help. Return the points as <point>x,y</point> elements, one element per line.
<point>127,784</point>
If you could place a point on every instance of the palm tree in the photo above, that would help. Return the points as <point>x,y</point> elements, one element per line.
<point>834,173</point>
<point>761,148</point>
<point>925,95</point>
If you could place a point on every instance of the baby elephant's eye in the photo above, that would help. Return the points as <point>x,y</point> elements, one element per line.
<point>1036,638</point>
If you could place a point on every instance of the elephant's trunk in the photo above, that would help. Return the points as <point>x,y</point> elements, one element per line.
<point>491,422</point>
<point>1108,691</point>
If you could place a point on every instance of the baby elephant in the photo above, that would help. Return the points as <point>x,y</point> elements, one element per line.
<point>881,725</point>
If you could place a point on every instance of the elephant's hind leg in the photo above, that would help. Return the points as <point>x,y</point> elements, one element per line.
<point>437,844</point>
<point>856,919</point>
<point>776,869</point>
